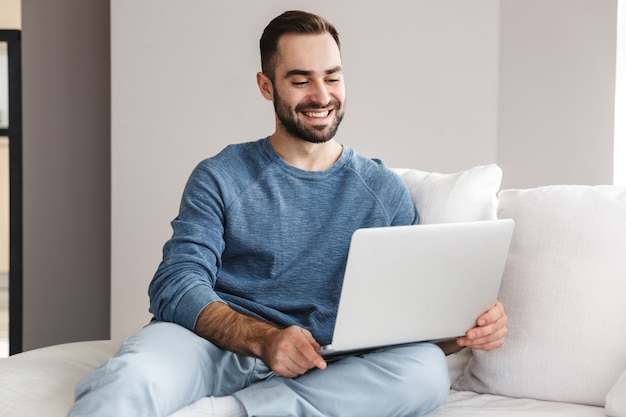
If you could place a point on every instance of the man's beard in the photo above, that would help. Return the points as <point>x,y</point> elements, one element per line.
<point>315,134</point>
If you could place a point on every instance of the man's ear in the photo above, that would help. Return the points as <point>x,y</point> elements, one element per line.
<point>265,85</point>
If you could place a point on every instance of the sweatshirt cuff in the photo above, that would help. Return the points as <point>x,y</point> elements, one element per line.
<point>192,303</point>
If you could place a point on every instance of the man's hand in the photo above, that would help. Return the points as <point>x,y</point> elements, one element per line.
<point>288,352</point>
<point>291,352</point>
<point>489,332</point>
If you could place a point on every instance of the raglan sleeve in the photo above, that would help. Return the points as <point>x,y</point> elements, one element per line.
<point>184,282</point>
<point>406,212</point>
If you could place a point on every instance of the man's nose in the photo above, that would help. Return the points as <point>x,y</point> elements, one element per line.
<point>320,93</point>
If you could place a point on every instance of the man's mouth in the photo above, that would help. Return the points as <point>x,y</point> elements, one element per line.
<point>317,114</point>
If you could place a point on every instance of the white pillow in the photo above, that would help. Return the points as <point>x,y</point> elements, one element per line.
<point>463,196</point>
<point>564,290</point>
<point>616,399</point>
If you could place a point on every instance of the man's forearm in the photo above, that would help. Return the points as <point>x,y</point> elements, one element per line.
<point>232,330</point>
<point>288,352</point>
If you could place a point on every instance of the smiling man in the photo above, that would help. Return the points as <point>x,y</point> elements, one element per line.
<point>249,284</point>
<point>318,93</point>
<point>305,82</point>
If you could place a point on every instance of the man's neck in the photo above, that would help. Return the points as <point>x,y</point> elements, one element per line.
<point>306,155</point>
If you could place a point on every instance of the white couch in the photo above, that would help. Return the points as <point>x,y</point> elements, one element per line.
<point>564,289</point>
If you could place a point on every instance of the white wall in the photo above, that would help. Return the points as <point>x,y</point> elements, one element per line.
<point>422,92</point>
<point>619,167</point>
<point>556,92</point>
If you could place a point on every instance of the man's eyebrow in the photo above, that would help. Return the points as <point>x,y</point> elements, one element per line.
<point>306,73</point>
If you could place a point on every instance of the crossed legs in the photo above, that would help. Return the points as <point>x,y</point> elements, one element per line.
<point>165,367</point>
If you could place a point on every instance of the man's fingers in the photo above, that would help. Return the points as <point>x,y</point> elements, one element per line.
<point>490,330</point>
<point>309,352</point>
<point>296,353</point>
<point>494,314</point>
<point>484,338</point>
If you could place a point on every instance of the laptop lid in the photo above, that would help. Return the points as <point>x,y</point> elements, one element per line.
<point>407,284</point>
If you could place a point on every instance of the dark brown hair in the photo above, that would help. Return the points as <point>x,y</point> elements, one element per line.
<point>293,21</point>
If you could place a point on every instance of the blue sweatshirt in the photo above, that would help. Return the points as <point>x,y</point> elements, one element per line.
<point>269,239</point>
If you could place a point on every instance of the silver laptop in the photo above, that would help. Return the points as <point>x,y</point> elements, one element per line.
<point>407,284</point>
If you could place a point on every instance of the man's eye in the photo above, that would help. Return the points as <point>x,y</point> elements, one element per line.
<point>299,83</point>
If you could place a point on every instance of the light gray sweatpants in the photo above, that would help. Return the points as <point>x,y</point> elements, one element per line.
<point>165,367</point>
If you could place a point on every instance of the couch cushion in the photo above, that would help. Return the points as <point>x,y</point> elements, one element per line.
<point>563,289</point>
<point>616,399</point>
<point>41,382</point>
<point>471,404</point>
<point>461,196</point>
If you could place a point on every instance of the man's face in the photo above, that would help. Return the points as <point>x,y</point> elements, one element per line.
<point>309,92</point>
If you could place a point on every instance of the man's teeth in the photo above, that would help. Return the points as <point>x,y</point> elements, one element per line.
<point>317,114</point>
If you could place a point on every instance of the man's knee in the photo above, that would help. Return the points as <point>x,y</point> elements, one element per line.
<point>156,369</point>
<point>426,381</point>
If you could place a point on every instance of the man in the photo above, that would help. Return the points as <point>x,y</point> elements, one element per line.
<point>249,283</point>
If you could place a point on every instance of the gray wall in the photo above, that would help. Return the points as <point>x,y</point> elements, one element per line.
<point>66,107</point>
